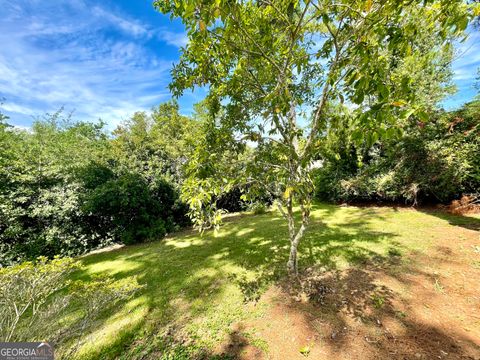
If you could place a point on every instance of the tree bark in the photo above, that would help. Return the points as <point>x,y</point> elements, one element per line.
<point>292,264</point>
<point>295,237</point>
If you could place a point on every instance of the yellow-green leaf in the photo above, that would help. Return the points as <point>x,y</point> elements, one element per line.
<point>399,103</point>
<point>368,5</point>
<point>288,192</point>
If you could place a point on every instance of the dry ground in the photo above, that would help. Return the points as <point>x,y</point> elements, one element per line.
<point>426,306</point>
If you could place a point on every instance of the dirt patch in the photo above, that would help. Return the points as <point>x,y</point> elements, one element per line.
<point>424,306</point>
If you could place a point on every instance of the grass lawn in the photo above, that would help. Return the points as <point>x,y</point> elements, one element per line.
<point>222,294</point>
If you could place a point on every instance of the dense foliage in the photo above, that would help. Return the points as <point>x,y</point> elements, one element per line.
<point>434,161</point>
<point>39,194</point>
<point>128,209</point>
<point>67,187</point>
<point>273,68</point>
<point>349,85</point>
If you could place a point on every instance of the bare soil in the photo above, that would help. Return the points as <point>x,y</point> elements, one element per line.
<point>420,306</point>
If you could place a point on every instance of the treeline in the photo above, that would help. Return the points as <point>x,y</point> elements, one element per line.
<point>67,187</point>
<point>433,159</point>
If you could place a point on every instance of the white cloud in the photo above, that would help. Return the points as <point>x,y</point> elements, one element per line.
<point>467,59</point>
<point>12,107</point>
<point>65,58</point>
<point>132,27</point>
<point>173,38</point>
<point>22,128</point>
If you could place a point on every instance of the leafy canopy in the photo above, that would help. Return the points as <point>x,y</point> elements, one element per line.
<point>274,67</point>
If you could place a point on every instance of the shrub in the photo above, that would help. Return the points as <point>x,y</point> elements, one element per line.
<point>88,299</point>
<point>243,198</point>
<point>437,161</point>
<point>39,192</point>
<point>170,207</point>
<point>131,211</point>
<point>232,201</point>
<point>35,295</point>
<point>327,183</point>
<point>42,220</point>
<point>258,208</point>
<point>24,293</point>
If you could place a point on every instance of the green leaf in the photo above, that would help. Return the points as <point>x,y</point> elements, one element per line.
<point>422,115</point>
<point>462,24</point>
<point>390,133</point>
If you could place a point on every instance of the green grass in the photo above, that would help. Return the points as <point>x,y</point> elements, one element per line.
<point>196,287</point>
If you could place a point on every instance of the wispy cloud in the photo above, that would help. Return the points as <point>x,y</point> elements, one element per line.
<point>131,27</point>
<point>83,57</point>
<point>173,38</point>
<point>465,66</point>
<point>102,62</point>
<point>467,55</point>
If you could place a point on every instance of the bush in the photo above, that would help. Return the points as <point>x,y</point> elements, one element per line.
<point>131,211</point>
<point>170,206</point>
<point>39,191</point>
<point>236,199</point>
<point>43,220</point>
<point>35,295</point>
<point>419,170</point>
<point>257,208</point>
<point>232,201</point>
<point>327,183</point>
<point>433,162</point>
<point>24,293</point>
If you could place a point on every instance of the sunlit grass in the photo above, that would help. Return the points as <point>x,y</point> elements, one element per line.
<point>197,285</point>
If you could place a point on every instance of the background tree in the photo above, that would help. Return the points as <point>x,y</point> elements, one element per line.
<point>432,162</point>
<point>156,144</point>
<point>38,191</point>
<point>273,67</point>
<point>385,168</point>
<point>67,187</point>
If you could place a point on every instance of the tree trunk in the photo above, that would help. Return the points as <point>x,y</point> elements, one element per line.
<point>292,264</point>
<point>295,237</point>
<point>296,172</point>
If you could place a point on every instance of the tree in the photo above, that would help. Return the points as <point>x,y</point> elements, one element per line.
<point>445,148</point>
<point>273,67</point>
<point>156,144</point>
<point>39,191</point>
<point>66,187</point>
<point>476,20</point>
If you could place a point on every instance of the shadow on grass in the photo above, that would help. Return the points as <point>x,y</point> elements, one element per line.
<point>189,277</point>
<point>467,222</point>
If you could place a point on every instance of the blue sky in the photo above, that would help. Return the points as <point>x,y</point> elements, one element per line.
<point>107,59</point>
